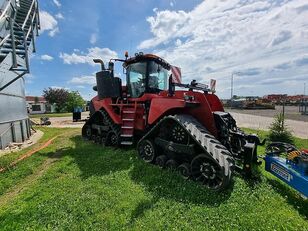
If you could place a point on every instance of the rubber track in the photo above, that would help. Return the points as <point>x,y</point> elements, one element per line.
<point>204,139</point>
<point>114,127</point>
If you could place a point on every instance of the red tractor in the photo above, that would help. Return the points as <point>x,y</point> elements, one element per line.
<point>187,130</point>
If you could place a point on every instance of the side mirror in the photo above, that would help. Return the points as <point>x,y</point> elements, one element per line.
<point>171,87</point>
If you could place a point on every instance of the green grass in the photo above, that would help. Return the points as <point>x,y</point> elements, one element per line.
<point>66,114</point>
<point>14,175</point>
<point>90,187</point>
<point>298,142</point>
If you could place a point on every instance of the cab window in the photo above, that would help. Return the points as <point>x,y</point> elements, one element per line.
<point>158,77</point>
<point>136,76</point>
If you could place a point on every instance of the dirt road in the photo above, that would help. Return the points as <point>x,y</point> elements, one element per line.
<point>291,112</point>
<point>65,122</point>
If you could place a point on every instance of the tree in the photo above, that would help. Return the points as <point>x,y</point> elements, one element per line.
<point>74,100</point>
<point>56,96</point>
<point>279,131</point>
<point>36,100</point>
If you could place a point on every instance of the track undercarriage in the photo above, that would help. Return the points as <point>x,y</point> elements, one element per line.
<point>177,142</point>
<point>101,129</point>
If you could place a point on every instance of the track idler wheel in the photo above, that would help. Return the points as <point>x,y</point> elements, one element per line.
<point>161,161</point>
<point>209,173</point>
<point>172,164</point>
<point>146,151</point>
<point>184,170</point>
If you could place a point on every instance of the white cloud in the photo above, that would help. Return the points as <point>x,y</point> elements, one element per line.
<point>48,23</point>
<point>95,52</point>
<point>46,57</point>
<point>93,38</point>
<point>59,16</point>
<point>59,87</point>
<point>89,80</point>
<point>178,42</point>
<point>166,25</point>
<point>52,33</point>
<point>258,38</point>
<point>57,3</point>
<point>29,78</point>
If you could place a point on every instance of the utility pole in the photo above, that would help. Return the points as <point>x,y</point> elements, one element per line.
<point>304,89</point>
<point>231,98</point>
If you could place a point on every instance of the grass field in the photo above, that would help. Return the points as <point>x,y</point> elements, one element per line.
<point>77,185</point>
<point>66,114</point>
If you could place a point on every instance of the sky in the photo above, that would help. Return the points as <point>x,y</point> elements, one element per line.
<point>263,43</point>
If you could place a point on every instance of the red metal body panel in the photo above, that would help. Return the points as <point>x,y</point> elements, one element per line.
<point>203,111</point>
<point>106,104</point>
<point>201,106</point>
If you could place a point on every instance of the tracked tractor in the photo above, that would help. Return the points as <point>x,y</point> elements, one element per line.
<point>179,126</point>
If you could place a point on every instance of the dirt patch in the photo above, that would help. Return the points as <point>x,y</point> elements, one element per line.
<point>65,122</point>
<point>17,147</point>
<point>28,154</point>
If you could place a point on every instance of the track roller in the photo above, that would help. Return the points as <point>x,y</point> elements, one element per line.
<point>111,139</point>
<point>172,164</point>
<point>184,171</point>
<point>161,161</point>
<point>88,132</point>
<point>98,139</point>
<point>146,150</point>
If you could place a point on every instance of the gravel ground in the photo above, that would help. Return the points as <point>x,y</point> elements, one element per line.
<point>291,113</point>
<point>65,122</point>
<point>298,128</point>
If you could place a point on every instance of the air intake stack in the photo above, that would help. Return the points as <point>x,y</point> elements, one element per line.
<point>107,86</point>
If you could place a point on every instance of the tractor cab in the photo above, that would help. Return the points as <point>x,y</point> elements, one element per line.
<point>146,74</point>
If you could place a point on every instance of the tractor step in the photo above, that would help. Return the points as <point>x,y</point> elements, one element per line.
<point>126,135</point>
<point>128,124</point>
<point>127,143</point>
<point>128,119</point>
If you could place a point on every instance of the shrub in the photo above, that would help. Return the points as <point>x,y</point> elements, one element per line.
<point>279,131</point>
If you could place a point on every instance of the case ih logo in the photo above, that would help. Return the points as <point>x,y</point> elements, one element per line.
<point>176,74</point>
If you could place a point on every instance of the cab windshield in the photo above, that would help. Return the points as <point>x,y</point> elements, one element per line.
<point>147,76</point>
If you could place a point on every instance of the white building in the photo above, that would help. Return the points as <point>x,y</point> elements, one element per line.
<point>37,105</point>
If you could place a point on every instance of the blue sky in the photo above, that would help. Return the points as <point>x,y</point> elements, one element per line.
<point>264,42</point>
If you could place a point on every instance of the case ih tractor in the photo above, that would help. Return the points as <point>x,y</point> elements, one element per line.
<point>187,129</point>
